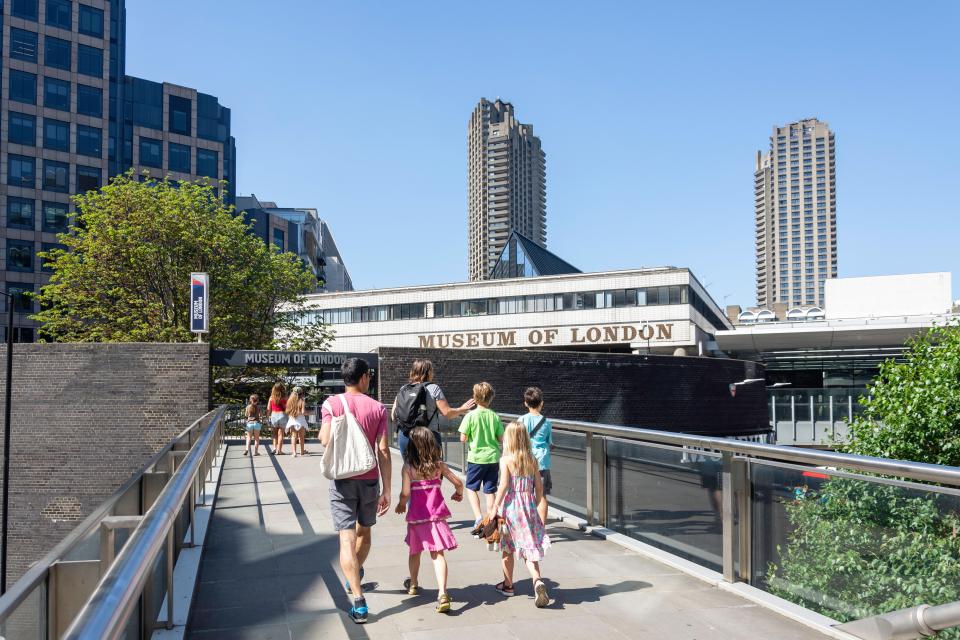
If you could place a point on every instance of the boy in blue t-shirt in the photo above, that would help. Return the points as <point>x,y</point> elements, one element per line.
<point>541,438</point>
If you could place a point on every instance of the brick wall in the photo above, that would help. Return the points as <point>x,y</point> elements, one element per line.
<point>683,394</point>
<point>85,418</point>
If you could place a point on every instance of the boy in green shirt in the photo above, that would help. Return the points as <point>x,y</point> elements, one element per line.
<point>482,429</point>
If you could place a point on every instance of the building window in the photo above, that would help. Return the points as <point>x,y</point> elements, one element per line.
<point>89,101</point>
<point>21,171</point>
<point>26,9</point>
<point>89,61</point>
<point>56,94</point>
<point>54,217</point>
<point>179,115</point>
<point>88,179</point>
<point>46,247</point>
<point>56,135</point>
<point>22,296</point>
<point>19,213</point>
<point>23,86</point>
<point>278,239</point>
<point>207,163</point>
<point>89,140</point>
<point>91,21</point>
<point>56,176</point>
<point>150,154</point>
<point>178,157</point>
<point>23,45</point>
<point>23,129</point>
<point>56,53</point>
<point>19,255</point>
<point>60,14</point>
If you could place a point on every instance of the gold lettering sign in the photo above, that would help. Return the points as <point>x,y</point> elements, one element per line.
<point>617,333</point>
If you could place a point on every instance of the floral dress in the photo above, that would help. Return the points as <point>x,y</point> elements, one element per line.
<point>525,534</point>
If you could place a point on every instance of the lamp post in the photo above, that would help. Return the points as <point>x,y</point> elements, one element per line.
<point>6,442</point>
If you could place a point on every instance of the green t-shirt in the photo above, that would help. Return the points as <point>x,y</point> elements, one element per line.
<point>482,427</point>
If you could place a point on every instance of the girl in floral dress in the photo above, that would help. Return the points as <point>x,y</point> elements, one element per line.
<point>519,492</point>
<point>427,528</point>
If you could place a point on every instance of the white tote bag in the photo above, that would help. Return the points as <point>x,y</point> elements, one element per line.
<point>348,453</point>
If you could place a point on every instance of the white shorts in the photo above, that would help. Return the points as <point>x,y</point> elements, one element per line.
<point>276,418</point>
<point>297,424</point>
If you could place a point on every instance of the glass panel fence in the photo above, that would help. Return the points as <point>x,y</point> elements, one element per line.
<point>568,461</point>
<point>850,546</point>
<point>29,620</point>
<point>667,497</point>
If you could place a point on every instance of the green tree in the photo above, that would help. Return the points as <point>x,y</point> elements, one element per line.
<point>124,273</point>
<point>858,548</point>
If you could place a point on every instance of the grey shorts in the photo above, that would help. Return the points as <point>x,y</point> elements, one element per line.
<point>547,481</point>
<point>352,502</point>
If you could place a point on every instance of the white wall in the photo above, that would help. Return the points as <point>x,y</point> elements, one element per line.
<point>876,296</point>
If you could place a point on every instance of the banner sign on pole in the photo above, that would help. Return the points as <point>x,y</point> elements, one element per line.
<point>199,303</point>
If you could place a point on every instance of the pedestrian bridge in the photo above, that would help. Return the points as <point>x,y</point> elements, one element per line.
<point>656,535</point>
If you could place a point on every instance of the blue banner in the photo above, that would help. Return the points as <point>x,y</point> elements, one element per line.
<point>199,303</point>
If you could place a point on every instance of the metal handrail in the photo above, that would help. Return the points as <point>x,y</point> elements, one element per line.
<point>37,573</point>
<point>106,612</point>
<point>926,472</point>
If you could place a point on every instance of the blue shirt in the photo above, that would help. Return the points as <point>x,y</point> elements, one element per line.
<point>540,442</point>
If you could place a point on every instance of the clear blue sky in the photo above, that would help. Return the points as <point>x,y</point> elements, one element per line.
<point>650,115</point>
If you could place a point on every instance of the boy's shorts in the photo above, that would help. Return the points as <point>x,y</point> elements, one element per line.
<point>487,475</point>
<point>547,480</point>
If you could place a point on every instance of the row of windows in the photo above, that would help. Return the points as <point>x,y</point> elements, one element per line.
<point>21,172</point>
<point>178,157</point>
<point>22,129</point>
<point>21,256</point>
<point>56,93</point>
<point>59,13</point>
<point>58,53</point>
<point>648,296</point>
<point>22,296</point>
<point>21,213</point>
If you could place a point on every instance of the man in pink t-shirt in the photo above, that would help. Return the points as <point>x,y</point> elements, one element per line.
<point>356,502</point>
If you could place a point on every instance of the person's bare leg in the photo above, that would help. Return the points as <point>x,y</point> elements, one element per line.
<point>349,563</point>
<point>278,447</point>
<point>440,568</point>
<point>246,446</point>
<point>302,435</point>
<point>256,443</point>
<point>474,498</point>
<point>506,560</point>
<point>542,509</point>
<point>293,442</point>
<point>413,564</point>
<point>534,569</point>
<point>364,539</point>
<point>490,500</point>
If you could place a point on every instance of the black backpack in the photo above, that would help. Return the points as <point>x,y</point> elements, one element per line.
<point>410,408</point>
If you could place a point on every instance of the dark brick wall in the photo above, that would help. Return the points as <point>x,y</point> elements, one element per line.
<point>682,394</point>
<point>85,418</point>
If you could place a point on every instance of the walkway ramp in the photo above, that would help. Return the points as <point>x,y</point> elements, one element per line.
<point>270,570</point>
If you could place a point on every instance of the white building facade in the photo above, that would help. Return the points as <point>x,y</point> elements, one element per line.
<point>657,311</point>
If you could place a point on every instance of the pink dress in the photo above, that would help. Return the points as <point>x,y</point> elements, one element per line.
<point>427,528</point>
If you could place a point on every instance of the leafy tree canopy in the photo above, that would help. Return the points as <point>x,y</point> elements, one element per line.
<point>124,274</point>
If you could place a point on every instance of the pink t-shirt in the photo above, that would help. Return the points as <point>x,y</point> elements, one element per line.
<point>369,413</point>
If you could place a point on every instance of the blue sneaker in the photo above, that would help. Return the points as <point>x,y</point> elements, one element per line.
<point>346,583</point>
<point>359,611</point>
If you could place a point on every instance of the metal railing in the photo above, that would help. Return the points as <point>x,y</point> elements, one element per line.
<point>83,588</point>
<point>634,459</point>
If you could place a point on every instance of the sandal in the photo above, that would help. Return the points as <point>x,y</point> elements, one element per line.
<point>503,589</point>
<point>412,589</point>
<point>443,603</point>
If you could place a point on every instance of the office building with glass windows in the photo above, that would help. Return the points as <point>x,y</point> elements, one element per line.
<point>795,208</point>
<point>70,118</point>
<point>645,311</point>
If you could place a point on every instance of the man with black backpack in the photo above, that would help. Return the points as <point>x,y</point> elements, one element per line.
<point>420,403</point>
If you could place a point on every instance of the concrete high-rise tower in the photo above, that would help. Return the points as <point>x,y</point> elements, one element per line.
<point>795,194</point>
<point>507,188</point>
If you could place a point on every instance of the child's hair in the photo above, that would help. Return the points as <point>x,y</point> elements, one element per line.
<point>254,398</point>
<point>423,454</point>
<point>516,443</point>
<point>533,397</point>
<point>483,393</point>
<point>277,393</point>
<point>294,405</point>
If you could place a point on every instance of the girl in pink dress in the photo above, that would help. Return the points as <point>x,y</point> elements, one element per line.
<point>427,528</point>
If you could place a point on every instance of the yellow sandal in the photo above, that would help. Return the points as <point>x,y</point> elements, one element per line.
<point>443,604</point>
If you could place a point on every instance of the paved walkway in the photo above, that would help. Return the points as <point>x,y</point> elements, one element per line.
<point>270,570</point>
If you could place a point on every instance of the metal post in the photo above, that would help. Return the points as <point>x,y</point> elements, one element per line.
<point>793,417</point>
<point>599,458</point>
<point>813,420</point>
<point>588,455</point>
<point>726,509</point>
<point>193,507</point>
<point>8,399</point>
<point>833,427</point>
<point>849,409</point>
<point>170,549</point>
<point>740,474</point>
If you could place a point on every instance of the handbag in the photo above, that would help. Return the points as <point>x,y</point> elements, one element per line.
<point>348,453</point>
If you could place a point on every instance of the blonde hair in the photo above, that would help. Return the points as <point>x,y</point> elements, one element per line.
<point>295,405</point>
<point>516,443</point>
<point>483,393</point>
<point>277,393</point>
